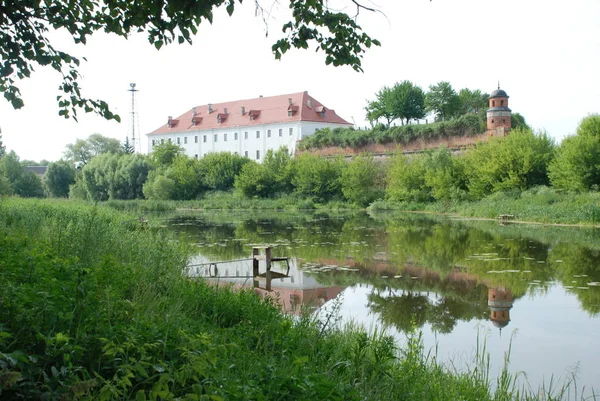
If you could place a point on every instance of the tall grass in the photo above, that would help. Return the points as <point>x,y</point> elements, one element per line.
<point>94,305</point>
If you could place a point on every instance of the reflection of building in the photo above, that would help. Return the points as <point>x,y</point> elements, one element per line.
<point>500,301</point>
<point>291,288</point>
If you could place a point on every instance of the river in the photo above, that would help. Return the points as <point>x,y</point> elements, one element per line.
<point>528,291</point>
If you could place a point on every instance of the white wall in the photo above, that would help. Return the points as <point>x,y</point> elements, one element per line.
<point>241,145</point>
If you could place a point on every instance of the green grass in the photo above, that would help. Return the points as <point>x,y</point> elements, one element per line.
<point>229,201</point>
<point>539,204</point>
<point>94,305</point>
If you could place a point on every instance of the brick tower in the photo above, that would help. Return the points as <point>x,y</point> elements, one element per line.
<point>498,115</point>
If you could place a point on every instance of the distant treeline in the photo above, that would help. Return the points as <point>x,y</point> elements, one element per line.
<point>520,161</point>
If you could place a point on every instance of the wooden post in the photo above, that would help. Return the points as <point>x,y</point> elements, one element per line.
<point>255,253</point>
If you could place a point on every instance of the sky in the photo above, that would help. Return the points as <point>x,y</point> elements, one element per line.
<point>544,53</point>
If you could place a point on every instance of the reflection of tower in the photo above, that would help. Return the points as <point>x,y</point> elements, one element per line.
<point>498,114</point>
<point>133,121</point>
<point>500,301</point>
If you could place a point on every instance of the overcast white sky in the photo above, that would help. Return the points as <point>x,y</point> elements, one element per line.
<point>545,53</point>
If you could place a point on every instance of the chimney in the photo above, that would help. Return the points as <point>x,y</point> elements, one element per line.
<point>224,110</point>
<point>243,110</point>
<point>260,96</point>
<point>289,101</point>
<point>169,123</point>
<point>210,107</point>
<point>193,111</point>
<point>309,103</point>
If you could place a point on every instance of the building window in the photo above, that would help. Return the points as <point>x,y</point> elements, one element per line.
<point>246,153</point>
<point>235,136</point>
<point>291,131</point>
<point>258,134</point>
<point>280,132</point>
<point>225,137</point>
<point>170,141</point>
<point>246,135</point>
<point>196,139</point>
<point>257,154</point>
<point>153,142</point>
<point>236,153</point>
<point>204,138</point>
<point>178,140</point>
<point>185,140</point>
<point>196,156</point>
<point>268,133</point>
<point>162,141</point>
<point>216,137</point>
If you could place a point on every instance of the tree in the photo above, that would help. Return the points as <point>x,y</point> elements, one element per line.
<point>129,177</point>
<point>406,179</point>
<point>518,121</point>
<point>382,106</point>
<point>83,150</point>
<point>255,181</point>
<point>577,164</point>
<point>363,180</point>
<point>163,154</point>
<point>127,147</point>
<point>518,161</point>
<point>2,147</point>
<point>407,102</point>
<point>58,178</point>
<point>318,177</point>
<point>20,182</point>
<point>442,100</point>
<point>472,101</point>
<point>26,43</point>
<point>218,170</point>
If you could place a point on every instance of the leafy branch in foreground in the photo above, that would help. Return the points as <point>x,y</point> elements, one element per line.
<point>25,26</point>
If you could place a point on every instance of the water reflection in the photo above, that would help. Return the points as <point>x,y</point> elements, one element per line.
<point>287,285</point>
<point>441,276</point>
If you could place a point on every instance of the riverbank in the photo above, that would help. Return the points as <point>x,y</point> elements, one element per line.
<point>538,205</point>
<point>94,305</point>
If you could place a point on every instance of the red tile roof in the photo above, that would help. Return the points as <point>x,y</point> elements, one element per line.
<point>266,110</point>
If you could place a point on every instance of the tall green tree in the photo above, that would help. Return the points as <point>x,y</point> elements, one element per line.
<point>363,180</point>
<point>127,147</point>
<point>2,147</point>
<point>164,154</point>
<point>518,161</point>
<point>407,102</point>
<point>58,178</point>
<point>318,177</point>
<point>382,106</point>
<point>21,182</point>
<point>518,121</point>
<point>472,101</point>
<point>442,100</point>
<point>577,164</point>
<point>219,169</point>
<point>27,41</point>
<point>83,150</point>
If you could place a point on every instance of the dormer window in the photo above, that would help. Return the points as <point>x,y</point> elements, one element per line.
<point>171,122</point>
<point>253,114</point>
<point>221,117</point>
<point>321,110</point>
<point>292,109</point>
<point>196,120</point>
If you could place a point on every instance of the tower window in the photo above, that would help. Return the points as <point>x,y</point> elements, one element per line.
<point>493,103</point>
<point>501,102</point>
<point>492,121</point>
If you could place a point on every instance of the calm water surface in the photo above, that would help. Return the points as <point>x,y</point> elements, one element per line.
<point>532,289</point>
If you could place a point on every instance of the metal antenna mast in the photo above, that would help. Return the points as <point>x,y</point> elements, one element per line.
<point>135,140</point>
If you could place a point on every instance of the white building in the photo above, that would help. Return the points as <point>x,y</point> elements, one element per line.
<point>247,127</point>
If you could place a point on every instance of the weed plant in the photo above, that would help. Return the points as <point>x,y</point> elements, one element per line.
<point>94,305</point>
